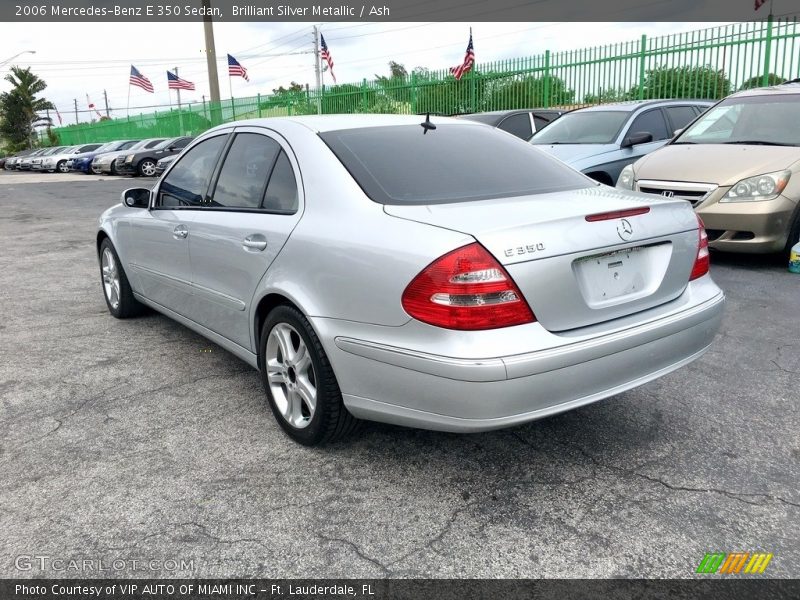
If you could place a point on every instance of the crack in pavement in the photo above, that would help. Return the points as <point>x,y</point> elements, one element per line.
<point>357,550</point>
<point>678,488</point>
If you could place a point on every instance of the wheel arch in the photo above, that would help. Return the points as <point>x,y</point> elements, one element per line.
<point>265,305</point>
<point>601,176</point>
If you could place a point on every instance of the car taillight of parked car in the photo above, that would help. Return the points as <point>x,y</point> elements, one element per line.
<point>702,261</point>
<point>466,289</point>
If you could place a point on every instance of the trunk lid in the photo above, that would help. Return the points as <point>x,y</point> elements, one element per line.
<point>575,272</point>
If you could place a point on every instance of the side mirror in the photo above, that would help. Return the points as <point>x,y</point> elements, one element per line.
<point>136,198</point>
<point>636,138</point>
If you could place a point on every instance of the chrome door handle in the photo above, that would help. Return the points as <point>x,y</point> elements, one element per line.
<point>180,232</point>
<point>254,242</point>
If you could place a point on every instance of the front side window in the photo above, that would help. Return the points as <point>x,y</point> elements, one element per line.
<point>680,116</point>
<point>651,122</point>
<point>244,174</point>
<point>187,182</point>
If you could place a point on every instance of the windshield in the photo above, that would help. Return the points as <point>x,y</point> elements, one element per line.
<point>400,165</point>
<point>583,127</point>
<point>164,144</point>
<point>770,120</point>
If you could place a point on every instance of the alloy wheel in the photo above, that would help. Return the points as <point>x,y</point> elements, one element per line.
<point>110,279</point>
<point>291,377</point>
<point>148,168</point>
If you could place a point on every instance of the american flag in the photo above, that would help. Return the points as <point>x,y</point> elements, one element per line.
<point>92,107</point>
<point>469,60</point>
<point>760,3</point>
<point>176,83</point>
<point>235,69</point>
<point>140,80</point>
<point>326,55</point>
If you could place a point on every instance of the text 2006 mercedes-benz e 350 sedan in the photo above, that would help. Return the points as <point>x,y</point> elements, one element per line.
<point>426,272</point>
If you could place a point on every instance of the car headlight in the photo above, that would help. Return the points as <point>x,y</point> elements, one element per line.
<point>626,178</point>
<point>761,187</point>
<point>129,158</point>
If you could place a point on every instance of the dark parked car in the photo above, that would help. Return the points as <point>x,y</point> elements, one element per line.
<point>162,165</point>
<point>523,123</point>
<point>83,162</point>
<point>602,140</point>
<point>143,163</point>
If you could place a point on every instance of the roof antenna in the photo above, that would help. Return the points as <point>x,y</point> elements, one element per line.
<point>427,125</point>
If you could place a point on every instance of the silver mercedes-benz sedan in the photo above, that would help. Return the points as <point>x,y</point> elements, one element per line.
<point>420,271</point>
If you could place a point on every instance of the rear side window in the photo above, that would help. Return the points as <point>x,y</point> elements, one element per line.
<point>453,163</point>
<point>680,116</point>
<point>281,196</point>
<point>650,122</point>
<point>244,174</point>
<point>187,182</point>
<point>519,125</point>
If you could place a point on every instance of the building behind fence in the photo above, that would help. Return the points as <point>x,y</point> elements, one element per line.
<point>708,63</point>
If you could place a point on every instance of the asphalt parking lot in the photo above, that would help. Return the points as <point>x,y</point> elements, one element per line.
<point>140,440</point>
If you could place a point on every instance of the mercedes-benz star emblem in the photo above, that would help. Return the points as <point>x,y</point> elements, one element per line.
<point>625,229</point>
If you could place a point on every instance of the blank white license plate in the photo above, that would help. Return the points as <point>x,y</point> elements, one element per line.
<point>614,275</point>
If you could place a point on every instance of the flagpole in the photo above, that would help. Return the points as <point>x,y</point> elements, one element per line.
<point>128,109</point>
<point>180,114</point>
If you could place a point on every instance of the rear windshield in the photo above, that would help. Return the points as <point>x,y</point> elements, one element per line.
<point>453,163</point>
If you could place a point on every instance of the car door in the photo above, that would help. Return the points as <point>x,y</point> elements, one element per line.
<point>650,121</point>
<point>252,208</point>
<point>159,246</point>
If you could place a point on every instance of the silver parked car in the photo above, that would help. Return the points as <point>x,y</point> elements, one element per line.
<point>601,140</point>
<point>371,268</point>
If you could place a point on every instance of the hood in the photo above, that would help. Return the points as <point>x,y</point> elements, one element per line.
<point>572,153</point>
<point>720,164</point>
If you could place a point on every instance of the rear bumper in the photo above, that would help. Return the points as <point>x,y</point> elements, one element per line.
<point>384,382</point>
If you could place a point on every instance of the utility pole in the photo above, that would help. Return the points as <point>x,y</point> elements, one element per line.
<point>76,110</point>
<point>105,95</point>
<point>180,114</point>
<point>317,71</point>
<point>211,62</point>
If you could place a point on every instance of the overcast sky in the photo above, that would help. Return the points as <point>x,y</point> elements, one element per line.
<point>75,59</point>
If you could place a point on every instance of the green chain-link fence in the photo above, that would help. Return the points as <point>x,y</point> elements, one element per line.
<point>707,63</point>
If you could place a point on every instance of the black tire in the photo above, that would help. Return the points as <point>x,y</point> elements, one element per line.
<point>331,421</point>
<point>128,306</point>
<point>146,168</point>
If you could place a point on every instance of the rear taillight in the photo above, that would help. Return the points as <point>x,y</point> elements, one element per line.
<point>466,289</point>
<point>701,262</point>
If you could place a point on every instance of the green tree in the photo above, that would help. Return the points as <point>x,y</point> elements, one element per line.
<point>396,87</point>
<point>528,92</point>
<point>21,107</point>
<point>609,95</point>
<point>757,81</point>
<point>14,126</point>
<point>684,82</point>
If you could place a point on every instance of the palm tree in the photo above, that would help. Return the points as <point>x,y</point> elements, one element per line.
<point>27,106</point>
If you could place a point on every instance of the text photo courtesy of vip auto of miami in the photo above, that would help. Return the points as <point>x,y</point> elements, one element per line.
<point>400,300</point>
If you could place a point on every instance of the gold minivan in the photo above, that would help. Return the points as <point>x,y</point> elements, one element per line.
<point>739,165</point>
